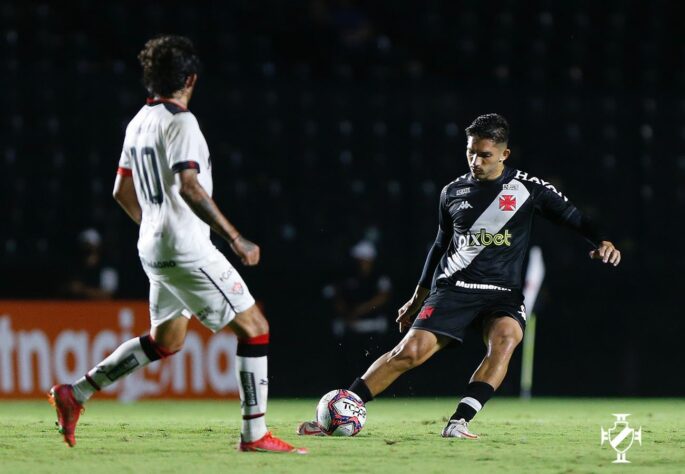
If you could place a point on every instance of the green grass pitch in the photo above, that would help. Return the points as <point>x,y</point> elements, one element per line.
<point>401,435</point>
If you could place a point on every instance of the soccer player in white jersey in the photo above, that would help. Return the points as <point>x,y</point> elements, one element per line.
<point>164,183</point>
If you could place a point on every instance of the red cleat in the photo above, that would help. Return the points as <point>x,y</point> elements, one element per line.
<point>270,444</point>
<point>68,411</point>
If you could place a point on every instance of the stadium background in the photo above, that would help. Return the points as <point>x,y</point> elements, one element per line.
<point>331,121</point>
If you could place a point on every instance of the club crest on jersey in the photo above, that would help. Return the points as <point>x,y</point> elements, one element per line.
<point>507,202</point>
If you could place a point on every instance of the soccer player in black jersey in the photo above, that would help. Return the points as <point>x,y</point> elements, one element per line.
<point>473,272</point>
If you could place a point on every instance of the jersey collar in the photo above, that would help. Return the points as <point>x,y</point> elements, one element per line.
<point>152,101</point>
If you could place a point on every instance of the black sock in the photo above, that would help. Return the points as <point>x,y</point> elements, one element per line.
<point>360,388</point>
<point>477,393</point>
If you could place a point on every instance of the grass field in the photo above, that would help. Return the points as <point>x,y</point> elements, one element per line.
<point>402,435</point>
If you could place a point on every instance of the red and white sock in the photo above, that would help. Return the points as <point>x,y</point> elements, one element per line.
<point>253,382</point>
<point>130,356</point>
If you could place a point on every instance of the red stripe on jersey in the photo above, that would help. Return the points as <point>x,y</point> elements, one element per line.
<point>263,339</point>
<point>124,171</point>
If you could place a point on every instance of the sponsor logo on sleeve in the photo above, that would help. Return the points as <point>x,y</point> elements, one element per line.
<point>532,179</point>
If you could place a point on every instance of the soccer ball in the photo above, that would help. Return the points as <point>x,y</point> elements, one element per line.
<point>341,413</point>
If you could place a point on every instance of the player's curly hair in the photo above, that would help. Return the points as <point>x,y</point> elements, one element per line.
<point>490,126</point>
<point>167,62</point>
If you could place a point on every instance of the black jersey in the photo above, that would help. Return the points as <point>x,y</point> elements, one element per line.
<point>485,229</point>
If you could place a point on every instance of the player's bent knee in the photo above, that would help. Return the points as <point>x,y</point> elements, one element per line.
<point>250,323</point>
<point>156,350</point>
<point>508,336</point>
<point>166,344</point>
<point>508,333</point>
<point>503,346</point>
<point>170,335</point>
<point>262,324</point>
<point>505,342</point>
<point>407,355</point>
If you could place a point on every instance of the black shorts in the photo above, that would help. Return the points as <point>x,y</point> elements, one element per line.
<point>449,311</point>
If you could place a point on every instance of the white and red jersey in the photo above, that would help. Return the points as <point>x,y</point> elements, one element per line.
<point>162,140</point>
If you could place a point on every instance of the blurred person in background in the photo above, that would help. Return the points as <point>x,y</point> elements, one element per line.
<point>360,302</point>
<point>91,278</point>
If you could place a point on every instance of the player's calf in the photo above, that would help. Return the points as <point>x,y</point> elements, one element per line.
<point>130,356</point>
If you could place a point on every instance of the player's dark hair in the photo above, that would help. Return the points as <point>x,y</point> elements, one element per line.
<point>490,126</point>
<point>168,60</point>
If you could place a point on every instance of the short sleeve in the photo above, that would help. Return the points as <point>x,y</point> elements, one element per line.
<point>124,163</point>
<point>185,144</point>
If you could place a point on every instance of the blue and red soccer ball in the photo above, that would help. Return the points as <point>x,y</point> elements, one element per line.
<point>341,413</point>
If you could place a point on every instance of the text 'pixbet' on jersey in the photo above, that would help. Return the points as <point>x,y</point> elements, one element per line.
<point>475,249</point>
<point>484,239</point>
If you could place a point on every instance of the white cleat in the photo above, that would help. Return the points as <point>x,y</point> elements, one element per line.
<point>310,428</point>
<point>458,429</point>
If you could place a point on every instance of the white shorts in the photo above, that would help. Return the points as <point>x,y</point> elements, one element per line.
<point>214,293</point>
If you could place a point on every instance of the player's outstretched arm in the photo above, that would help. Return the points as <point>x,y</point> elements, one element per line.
<point>125,194</point>
<point>607,253</point>
<point>206,209</point>
<point>554,206</point>
<point>406,313</point>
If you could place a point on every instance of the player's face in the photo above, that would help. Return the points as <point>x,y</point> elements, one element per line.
<point>486,158</point>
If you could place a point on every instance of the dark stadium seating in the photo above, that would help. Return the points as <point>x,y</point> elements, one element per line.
<point>327,120</point>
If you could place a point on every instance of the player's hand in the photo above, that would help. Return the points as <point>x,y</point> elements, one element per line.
<point>405,315</point>
<point>607,253</point>
<point>246,250</point>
